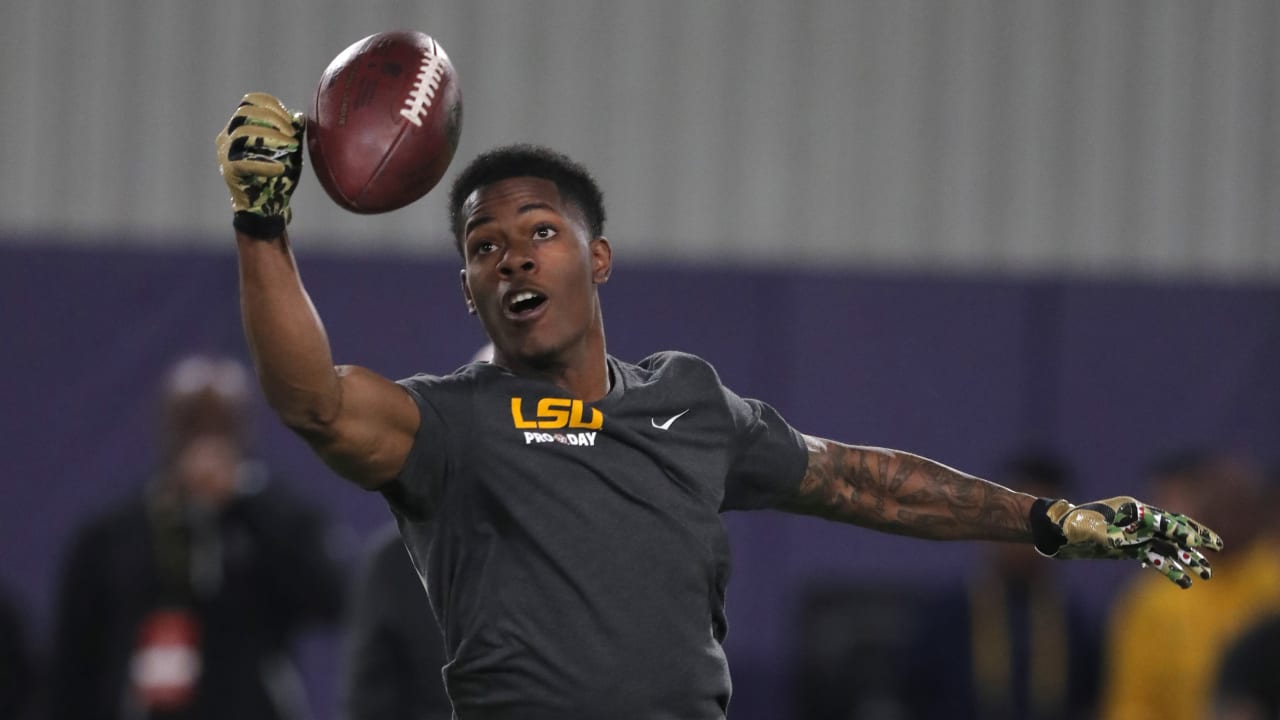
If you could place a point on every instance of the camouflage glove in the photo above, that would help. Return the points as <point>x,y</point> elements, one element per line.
<point>1124,528</point>
<point>260,158</point>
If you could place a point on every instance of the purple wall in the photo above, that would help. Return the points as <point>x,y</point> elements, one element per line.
<point>961,370</point>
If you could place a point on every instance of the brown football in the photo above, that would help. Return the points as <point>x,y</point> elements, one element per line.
<point>385,121</point>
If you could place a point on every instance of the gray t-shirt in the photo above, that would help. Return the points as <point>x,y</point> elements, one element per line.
<point>574,552</point>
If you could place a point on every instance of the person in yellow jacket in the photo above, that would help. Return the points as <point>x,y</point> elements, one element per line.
<point>1162,649</point>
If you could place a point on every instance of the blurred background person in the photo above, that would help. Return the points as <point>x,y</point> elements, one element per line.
<point>1162,649</point>
<point>1248,680</point>
<point>1248,683</point>
<point>394,652</point>
<point>18,670</point>
<point>1011,643</point>
<point>183,601</point>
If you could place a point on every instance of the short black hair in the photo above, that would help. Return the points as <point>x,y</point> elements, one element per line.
<point>573,181</point>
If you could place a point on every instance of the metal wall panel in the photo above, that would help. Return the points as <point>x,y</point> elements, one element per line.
<point>1094,136</point>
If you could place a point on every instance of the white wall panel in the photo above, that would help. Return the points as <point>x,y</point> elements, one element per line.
<point>977,135</point>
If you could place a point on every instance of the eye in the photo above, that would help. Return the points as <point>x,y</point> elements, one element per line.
<point>482,247</point>
<point>544,232</point>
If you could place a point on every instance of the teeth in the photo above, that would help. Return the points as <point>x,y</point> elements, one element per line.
<point>522,296</point>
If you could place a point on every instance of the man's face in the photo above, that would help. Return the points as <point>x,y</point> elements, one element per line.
<point>207,470</point>
<point>531,270</point>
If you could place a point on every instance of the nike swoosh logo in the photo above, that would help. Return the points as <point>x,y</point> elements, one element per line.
<point>667,425</point>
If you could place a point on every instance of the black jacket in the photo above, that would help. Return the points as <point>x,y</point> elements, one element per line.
<point>255,576</point>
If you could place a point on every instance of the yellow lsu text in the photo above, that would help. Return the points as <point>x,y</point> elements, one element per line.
<point>556,413</point>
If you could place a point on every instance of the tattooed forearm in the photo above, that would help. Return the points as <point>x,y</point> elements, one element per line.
<point>906,494</point>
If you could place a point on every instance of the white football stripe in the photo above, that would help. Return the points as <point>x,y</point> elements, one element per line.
<point>424,90</point>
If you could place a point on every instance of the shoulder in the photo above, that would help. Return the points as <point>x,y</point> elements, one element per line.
<point>104,533</point>
<point>673,364</point>
<point>449,395</point>
<point>673,359</point>
<point>678,377</point>
<point>466,378</point>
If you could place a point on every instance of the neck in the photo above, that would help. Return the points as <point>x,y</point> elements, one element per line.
<point>583,372</point>
<point>588,382</point>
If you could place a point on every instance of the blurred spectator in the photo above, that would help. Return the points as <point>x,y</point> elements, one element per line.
<point>1012,642</point>
<point>1164,646</point>
<point>1248,681</point>
<point>183,601</point>
<point>17,666</point>
<point>395,652</point>
<point>853,642</point>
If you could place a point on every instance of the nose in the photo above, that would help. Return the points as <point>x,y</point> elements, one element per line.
<point>517,258</point>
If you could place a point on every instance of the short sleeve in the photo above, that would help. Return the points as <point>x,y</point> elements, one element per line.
<point>418,487</point>
<point>769,457</point>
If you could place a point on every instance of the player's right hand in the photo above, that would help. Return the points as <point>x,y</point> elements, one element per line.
<point>260,158</point>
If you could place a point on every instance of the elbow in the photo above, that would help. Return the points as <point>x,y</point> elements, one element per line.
<point>318,428</point>
<point>313,418</point>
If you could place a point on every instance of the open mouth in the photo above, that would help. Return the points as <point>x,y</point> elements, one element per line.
<point>525,303</point>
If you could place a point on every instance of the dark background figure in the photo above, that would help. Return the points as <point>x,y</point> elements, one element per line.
<point>18,668</point>
<point>1248,681</point>
<point>1217,486</point>
<point>852,650</point>
<point>394,650</point>
<point>1248,684</point>
<point>183,601</point>
<point>394,653</point>
<point>1011,642</point>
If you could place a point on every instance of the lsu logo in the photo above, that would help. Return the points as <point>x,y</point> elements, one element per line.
<point>557,414</point>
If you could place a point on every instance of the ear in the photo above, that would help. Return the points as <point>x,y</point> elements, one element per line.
<point>601,260</point>
<point>466,291</point>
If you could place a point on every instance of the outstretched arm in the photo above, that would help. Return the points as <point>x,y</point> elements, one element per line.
<point>901,493</point>
<point>360,423</point>
<point>907,494</point>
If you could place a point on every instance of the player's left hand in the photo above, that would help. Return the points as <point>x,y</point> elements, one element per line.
<point>1125,528</point>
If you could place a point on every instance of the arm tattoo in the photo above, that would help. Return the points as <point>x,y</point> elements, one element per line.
<point>906,494</point>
